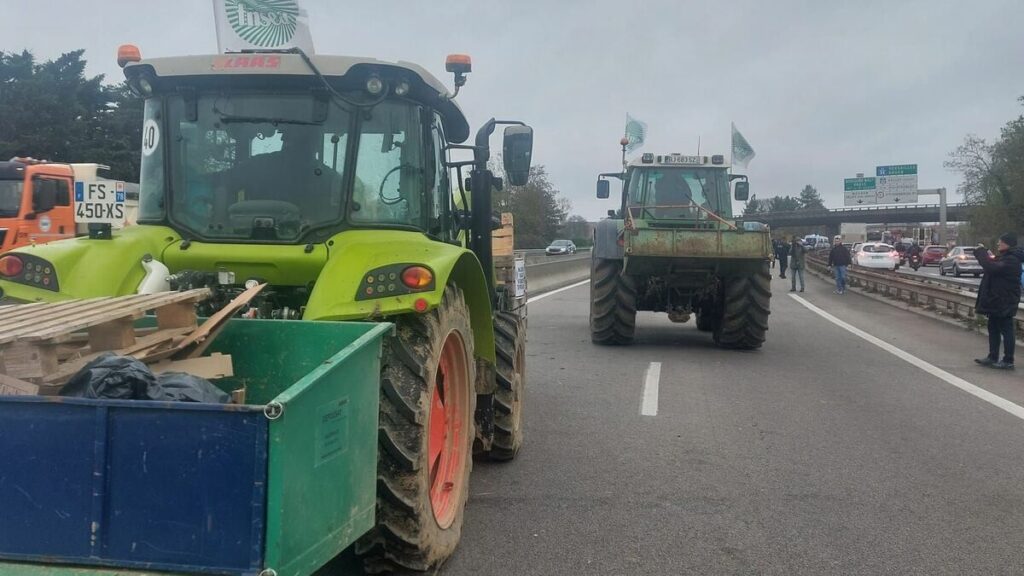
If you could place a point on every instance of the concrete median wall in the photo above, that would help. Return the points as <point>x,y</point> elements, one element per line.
<point>557,272</point>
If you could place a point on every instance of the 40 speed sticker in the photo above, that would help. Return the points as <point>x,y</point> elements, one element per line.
<point>99,202</point>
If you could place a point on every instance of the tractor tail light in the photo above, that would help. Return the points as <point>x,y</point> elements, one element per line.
<point>417,277</point>
<point>10,266</point>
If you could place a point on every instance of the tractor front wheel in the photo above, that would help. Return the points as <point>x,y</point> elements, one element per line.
<point>425,435</point>
<point>510,347</point>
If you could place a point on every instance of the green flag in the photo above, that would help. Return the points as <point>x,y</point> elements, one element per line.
<point>742,151</point>
<point>636,132</point>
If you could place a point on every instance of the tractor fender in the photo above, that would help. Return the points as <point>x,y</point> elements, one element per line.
<point>606,239</point>
<point>88,268</point>
<point>355,254</point>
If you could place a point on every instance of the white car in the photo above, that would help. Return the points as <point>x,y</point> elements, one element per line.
<point>877,255</point>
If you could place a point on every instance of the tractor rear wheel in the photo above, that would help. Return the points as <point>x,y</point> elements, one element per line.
<point>510,347</point>
<point>745,310</point>
<point>425,435</point>
<point>612,303</point>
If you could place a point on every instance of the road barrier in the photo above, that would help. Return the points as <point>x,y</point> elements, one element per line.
<point>557,272</point>
<point>949,300</point>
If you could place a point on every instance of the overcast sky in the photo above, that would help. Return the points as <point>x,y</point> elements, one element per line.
<point>821,89</point>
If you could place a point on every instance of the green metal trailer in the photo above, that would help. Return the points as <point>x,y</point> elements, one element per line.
<point>280,485</point>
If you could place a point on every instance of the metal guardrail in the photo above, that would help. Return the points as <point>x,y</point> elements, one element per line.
<point>955,301</point>
<point>558,272</point>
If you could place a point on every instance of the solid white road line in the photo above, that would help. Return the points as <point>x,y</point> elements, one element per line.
<point>553,292</point>
<point>997,401</point>
<point>649,402</point>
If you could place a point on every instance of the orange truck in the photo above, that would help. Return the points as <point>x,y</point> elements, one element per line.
<point>37,201</point>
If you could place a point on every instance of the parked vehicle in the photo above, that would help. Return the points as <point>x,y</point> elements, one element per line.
<point>560,247</point>
<point>37,204</point>
<point>933,254</point>
<point>816,242</point>
<point>679,250</point>
<point>877,255</point>
<point>853,232</point>
<point>352,240</point>
<point>959,261</point>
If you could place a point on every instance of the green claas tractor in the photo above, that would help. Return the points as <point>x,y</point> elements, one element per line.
<point>673,246</point>
<point>338,182</point>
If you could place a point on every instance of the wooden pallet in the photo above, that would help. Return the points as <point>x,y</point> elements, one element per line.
<point>46,343</point>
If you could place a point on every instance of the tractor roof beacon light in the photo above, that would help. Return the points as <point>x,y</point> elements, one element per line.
<point>128,53</point>
<point>459,65</point>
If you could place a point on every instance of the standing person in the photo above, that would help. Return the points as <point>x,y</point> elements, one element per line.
<point>839,259</point>
<point>781,253</point>
<point>999,297</point>
<point>797,263</point>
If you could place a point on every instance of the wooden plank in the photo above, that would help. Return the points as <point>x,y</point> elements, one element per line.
<point>506,219</point>
<point>177,315</point>
<point>112,335</point>
<point>10,386</point>
<point>29,360</point>
<point>238,396</point>
<point>209,367</point>
<point>12,330</point>
<point>124,307</point>
<point>197,342</point>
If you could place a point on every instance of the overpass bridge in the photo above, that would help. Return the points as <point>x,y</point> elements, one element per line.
<point>832,218</point>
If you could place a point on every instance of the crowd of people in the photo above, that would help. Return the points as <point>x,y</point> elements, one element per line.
<point>998,298</point>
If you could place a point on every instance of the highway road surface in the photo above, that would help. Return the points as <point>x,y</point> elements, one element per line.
<point>861,439</point>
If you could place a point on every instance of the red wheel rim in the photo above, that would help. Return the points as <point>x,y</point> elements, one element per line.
<point>447,429</point>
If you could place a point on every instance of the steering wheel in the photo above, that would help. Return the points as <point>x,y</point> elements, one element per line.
<point>380,191</point>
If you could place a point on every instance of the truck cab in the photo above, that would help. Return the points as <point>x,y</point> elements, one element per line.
<point>35,203</point>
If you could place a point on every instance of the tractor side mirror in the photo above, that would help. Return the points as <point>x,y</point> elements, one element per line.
<point>44,195</point>
<point>603,189</point>
<point>517,154</point>
<point>742,191</point>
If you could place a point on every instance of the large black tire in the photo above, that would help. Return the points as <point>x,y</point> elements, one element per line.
<point>612,303</point>
<point>745,309</point>
<point>705,321</point>
<point>408,535</point>
<point>510,348</point>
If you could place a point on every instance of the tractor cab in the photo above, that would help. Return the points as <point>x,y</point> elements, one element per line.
<point>674,190</point>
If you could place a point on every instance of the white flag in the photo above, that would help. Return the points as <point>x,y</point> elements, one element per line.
<point>636,133</point>
<point>742,151</point>
<point>261,24</point>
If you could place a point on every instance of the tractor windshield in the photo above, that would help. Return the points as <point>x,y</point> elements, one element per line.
<point>674,193</point>
<point>10,197</point>
<point>272,167</point>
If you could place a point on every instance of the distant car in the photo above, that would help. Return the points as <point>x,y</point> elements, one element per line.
<point>933,255</point>
<point>855,248</point>
<point>815,242</point>
<point>877,255</point>
<point>959,261</point>
<point>560,247</point>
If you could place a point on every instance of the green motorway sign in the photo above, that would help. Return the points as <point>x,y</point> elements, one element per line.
<point>855,184</point>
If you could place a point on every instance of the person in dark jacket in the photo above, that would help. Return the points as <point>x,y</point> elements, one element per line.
<point>797,263</point>
<point>781,254</point>
<point>999,297</point>
<point>838,260</point>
